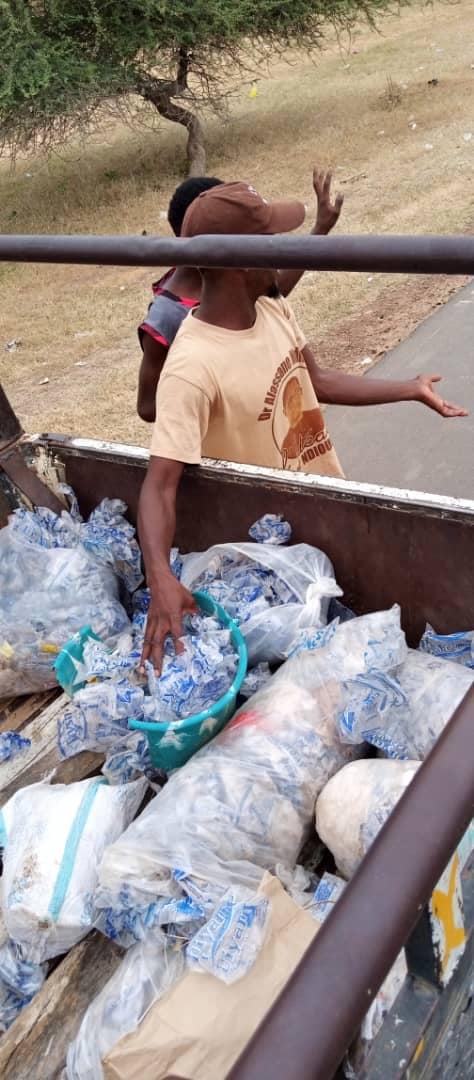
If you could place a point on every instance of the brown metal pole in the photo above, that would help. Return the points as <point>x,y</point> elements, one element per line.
<point>10,427</point>
<point>306,1033</point>
<point>393,254</point>
<point>24,480</point>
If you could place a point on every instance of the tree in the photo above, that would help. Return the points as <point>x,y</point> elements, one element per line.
<point>62,62</point>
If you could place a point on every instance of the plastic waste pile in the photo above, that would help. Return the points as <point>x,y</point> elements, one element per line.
<point>178,886</point>
<point>274,593</point>
<point>242,805</point>
<point>58,574</point>
<point>53,838</point>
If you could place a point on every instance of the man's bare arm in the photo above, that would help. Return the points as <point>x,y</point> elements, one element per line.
<point>328,213</point>
<point>156,527</point>
<point>336,388</point>
<point>154,356</point>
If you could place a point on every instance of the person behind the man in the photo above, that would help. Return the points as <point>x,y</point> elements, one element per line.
<point>178,291</point>
<point>226,389</point>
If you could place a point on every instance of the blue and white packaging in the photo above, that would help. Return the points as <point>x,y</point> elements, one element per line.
<point>326,895</point>
<point>229,942</point>
<point>404,714</point>
<point>271,529</point>
<point>20,980</point>
<point>457,647</point>
<point>12,744</point>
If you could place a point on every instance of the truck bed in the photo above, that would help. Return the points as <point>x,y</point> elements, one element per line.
<point>386,547</point>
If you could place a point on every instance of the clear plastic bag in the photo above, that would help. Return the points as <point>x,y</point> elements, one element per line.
<point>54,836</point>
<point>403,715</point>
<point>354,805</point>
<point>58,574</point>
<point>146,973</point>
<point>98,716</point>
<point>242,805</point>
<point>272,591</point>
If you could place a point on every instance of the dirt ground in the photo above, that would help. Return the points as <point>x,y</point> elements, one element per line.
<point>392,113</point>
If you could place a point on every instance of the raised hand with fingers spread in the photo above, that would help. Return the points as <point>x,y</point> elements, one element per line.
<point>327,216</point>
<point>328,212</point>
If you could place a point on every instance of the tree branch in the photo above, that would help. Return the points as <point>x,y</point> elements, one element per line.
<point>160,93</point>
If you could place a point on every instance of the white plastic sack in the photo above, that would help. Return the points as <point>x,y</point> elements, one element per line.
<point>58,574</point>
<point>145,975</point>
<point>242,805</point>
<point>356,803</point>
<point>404,714</point>
<point>54,837</point>
<point>272,591</point>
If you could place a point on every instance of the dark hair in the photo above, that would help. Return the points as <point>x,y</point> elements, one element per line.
<point>184,195</point>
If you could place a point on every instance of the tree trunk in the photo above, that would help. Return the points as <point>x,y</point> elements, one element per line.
<point>160,93</point>
<point>195,149</point>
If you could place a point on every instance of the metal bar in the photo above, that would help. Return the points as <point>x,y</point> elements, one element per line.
<point>393,254</point>
<point>27,482</point>
<point>318,1013</point>
<point>10,427</point>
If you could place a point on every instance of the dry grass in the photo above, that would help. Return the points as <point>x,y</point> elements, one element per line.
<point>352,110</point>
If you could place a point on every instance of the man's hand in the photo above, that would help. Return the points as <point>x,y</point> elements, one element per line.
<point>425,393</point>
<point>168,605</point>
<point>328,212</point>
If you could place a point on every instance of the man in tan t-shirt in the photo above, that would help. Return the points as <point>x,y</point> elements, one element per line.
<point>240,383</point>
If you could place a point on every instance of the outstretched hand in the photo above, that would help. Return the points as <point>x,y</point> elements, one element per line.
<point>328,211</point>
<point>428,396</point>
<point>165,617</point>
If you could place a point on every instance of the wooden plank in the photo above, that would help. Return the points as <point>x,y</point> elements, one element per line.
<point>67,770</point>
<point>35,1046</point>
<point>17,712</point>
<point>43,756</point>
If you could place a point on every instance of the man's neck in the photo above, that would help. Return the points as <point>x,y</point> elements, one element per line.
<point>225,306</point>
<point>185,281</point>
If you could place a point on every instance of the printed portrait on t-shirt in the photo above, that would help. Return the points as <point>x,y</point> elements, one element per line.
<point>298,427</point>
<point>299,432</point>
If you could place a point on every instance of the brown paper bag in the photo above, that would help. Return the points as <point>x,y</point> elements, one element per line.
<point>200,1027</point>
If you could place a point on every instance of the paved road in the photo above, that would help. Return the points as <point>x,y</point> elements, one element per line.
<point>407,445</point>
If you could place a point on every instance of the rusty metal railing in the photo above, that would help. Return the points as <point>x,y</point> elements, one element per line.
<point>385,254</point>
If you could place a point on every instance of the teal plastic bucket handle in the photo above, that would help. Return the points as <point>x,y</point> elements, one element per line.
<point>208,607</point>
